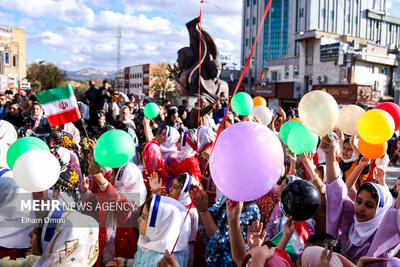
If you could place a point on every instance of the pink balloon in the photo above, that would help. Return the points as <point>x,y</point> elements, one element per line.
<point>247,161</point>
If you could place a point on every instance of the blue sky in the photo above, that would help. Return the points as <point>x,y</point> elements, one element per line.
<point>76,34</point>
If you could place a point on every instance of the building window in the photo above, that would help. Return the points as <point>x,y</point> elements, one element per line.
<point>295,71</point>
<point>247,41</point>
<point>7,58</point>
<point>274,76</point>
<point>372,69</point>
<point>14,61</point>
<point>247,22</point>
<point>383,70</point>
<point>348,18</point>
<point>309,52</point>
<point>254,2</point>
<point>286,72</point>
<point>356,19</point>
<point>254,20</point>
<point>301,12</point>
<point>248,3</point>
<point>323,12</point>
<point>332,14</point>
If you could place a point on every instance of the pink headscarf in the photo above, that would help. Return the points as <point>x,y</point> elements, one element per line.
<point>311,256</point>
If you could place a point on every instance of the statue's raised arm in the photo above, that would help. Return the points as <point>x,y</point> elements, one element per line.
<point>188,64</point>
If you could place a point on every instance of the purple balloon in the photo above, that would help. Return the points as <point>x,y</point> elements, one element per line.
<point>247,161</point>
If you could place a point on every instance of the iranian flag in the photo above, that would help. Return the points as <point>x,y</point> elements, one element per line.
<point>59,105</point>
<point>296,243</point>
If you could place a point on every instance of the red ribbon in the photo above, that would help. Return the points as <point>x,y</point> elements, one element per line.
<point>236,89</point>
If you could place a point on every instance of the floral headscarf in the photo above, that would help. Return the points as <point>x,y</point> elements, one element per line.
<point>64,139</point>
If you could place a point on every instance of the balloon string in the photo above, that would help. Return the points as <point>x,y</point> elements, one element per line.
<point>199,87</point>
<point>226,113</point>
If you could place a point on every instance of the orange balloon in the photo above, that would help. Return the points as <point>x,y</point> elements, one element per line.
<point>296,119</point>
<point>259,101</point>
<point>372,151</point>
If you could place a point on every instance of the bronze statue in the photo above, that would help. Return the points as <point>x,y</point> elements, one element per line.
<point>187,79</point>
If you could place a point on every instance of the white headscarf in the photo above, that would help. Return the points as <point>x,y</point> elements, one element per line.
<point>184,197</point>
<point>206,137</point>
<point>361,231</point>
<point>71,242</point>
<point>186,149</point>
<point>129,182</point>
<point>169,146</point>
<point>8,133</point>
<point>164,223</point>
<point>13,232</point>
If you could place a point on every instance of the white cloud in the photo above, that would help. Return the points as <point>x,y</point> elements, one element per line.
<point>225,45</point>
<point>88,39</point>
<point>68,10</point>
<point>130,47</point>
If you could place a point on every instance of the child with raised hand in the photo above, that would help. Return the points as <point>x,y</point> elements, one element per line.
<point>257,255</point>
<point>359,221</point>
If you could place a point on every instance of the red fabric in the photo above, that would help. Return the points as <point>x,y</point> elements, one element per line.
<point>302,230</point>
<point>189,165</point>
<point>125,237</point>
<point>315,159</point>
<point>371,172</point>
<point>13,253</point>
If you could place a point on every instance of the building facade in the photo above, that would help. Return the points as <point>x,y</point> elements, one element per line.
<point>138,79</point>
<point>281,53</point>
<point>12,57</point>
<point>120,81</point>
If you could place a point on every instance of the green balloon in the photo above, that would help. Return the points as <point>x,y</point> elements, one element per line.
<point>151,110</point>
<point>242,103</point>
<point>23,145</point>
<point>114,149</point>
<point>285,130</point>
<point>302,140</point>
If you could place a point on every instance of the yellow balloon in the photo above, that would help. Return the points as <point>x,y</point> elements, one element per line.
<point>348,119</point>
<point>376,126</point>
<point>318,111</point>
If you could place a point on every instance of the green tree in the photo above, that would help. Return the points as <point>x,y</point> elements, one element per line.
<point>44,76</point>
<point>162,81</point>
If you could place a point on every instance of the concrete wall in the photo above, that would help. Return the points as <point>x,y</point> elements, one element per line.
<point>364,75</point>
<point>17,47</point>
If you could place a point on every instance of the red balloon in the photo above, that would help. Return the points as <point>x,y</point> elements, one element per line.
<point>394,111</point>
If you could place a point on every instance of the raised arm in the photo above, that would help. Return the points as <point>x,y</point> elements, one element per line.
<point>306,159</point>
<point>147,129</point>
<point>201,204</point>
<point>352,178</point>
<point>238,246</point>
<point>332,167</point>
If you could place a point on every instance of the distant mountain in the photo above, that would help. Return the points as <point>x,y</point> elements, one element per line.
<point>90,73</point>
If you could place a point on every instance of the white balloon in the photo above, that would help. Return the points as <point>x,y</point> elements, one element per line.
<point>318,111</point>
<point>36,170</point>
<point>348,119</point>
<point>263,113</point>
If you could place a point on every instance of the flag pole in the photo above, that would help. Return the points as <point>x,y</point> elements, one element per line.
<point>84,128</point>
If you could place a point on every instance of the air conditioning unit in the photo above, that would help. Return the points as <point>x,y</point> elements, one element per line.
<point>322,79</point>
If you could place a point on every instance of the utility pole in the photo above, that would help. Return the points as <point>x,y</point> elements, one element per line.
<point>119,37</point>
